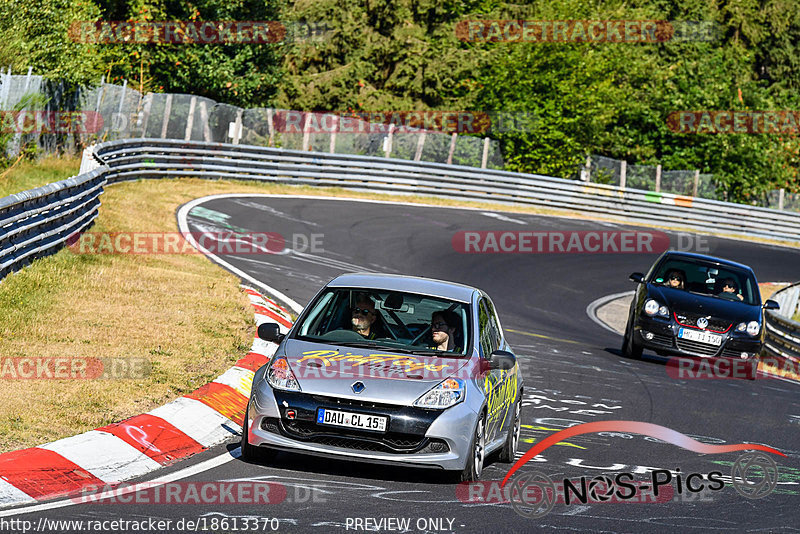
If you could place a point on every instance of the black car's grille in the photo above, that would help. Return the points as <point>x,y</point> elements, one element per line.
<point>714,323</point>
<point>732,353</point>
<point>661,339</point>
<point>696,347</point>
<point>392,442</point>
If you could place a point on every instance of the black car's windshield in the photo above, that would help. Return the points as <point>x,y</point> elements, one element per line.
<point>719,281</point>
<point>389,320</point>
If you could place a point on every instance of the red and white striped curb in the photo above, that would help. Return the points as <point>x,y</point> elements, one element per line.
<point>131,448</point>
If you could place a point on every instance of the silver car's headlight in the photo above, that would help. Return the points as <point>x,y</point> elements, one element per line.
<point>281,376</point>
<point>445,394</point>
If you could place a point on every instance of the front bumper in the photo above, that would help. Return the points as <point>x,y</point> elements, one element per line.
<point>664,340</point>
<point>415,436</point>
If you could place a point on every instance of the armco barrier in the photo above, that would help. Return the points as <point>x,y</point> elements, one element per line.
<point>36,222</point>
<point>157,158</point>
<point>782,340</point>
<point>39,221</point>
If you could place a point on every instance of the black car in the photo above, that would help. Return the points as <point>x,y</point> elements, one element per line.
<point>697,306</point>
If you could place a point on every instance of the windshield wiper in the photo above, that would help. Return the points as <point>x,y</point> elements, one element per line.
<point>416,352</point>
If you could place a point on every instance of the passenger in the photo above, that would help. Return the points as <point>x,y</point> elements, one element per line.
<point>675,279</point>
<point>444,326</point>
<point>730,290</point>
<point>363,316</point>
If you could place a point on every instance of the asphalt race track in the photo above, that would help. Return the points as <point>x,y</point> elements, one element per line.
<point>573,373</point>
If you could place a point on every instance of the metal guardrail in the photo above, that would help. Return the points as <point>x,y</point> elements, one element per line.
<point>158,158</point>
<point>782,338</point>
<point>38,222</point>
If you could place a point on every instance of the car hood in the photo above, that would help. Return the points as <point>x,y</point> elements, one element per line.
<point>680,301</point>
<point>388,377</point>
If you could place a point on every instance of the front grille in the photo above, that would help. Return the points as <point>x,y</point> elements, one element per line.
<point>734,353</point>
<point>661,339</point>
<point>696,347</point>
<point>352,403</point>
<point>714,323</point>
<point>392,442</point>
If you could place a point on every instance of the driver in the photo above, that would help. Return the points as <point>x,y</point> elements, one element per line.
<point>675,279</point>
<point>363,316</point>
<point>730,290</point>
<point>444,325</point>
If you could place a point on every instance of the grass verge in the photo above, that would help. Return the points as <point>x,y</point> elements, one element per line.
<point>30,174</point>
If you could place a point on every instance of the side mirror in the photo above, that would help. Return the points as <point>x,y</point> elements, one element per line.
<point>771,305</point>
<point>502,359</point>
<point>637,277</point>
<point>270,332</point>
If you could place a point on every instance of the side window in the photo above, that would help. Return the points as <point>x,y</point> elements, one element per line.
<point>489,335</point>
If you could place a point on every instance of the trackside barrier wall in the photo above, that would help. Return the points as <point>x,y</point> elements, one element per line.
<point>38,222</point>
<point>782,339</point>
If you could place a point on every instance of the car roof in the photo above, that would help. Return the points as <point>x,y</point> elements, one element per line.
<point>714,259</point>
<point>409,284</point>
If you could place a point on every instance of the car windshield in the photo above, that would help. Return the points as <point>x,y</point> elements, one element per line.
<point>719,281</point>
<point>390,320</point>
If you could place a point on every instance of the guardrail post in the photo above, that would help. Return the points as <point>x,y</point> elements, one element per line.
<point>658,178</point>
<point>271,127</point>
<point>452,148</point>
<point>420,144</point>
<point>306,133</point>
<point>167,111</point>
<point>696,182</point>
<point>237,127</point>
<point>190,119</point>
<point>204,120</point>
<point>781,196</point>
<point>332,148</point>
<point>623,173</point>
<point>485,155</point>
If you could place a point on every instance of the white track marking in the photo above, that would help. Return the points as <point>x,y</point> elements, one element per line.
<point>11,495</point>
<point>503,218</point>
<point>198,421</point>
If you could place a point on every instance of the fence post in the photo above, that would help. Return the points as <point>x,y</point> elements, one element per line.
<point>190,119</point>
<point>271,128</point>
<point>306,132</point>
<point>696,182</point>
<point>237,125</point>
<point>204,120</point>
<point>623,173</point>
<point>658,178</point>
<point>485,155</point>
<point>420,144</point>
<point>100,94</point>
<point>332,148</point>
<point>148,103</point>
<point>452,148</point>
<point>167,111</point>
<point>587,170</point>
<point>781,194</point>
<point>387,143</point>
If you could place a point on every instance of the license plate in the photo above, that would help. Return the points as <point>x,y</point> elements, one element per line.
<point>702,337</point>
<point>351,420</point>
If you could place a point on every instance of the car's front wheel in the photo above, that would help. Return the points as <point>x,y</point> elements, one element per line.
<point>477,453</point>
<point>251,453</point>
<point>630,348</point>
<point>509,450</point>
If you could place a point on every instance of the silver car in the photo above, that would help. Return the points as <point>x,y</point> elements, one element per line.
<point>389,369</point>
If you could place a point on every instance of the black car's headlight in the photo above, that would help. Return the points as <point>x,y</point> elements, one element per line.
<point>652,308</point>
<point>753,328</point>
<point>281,376</point>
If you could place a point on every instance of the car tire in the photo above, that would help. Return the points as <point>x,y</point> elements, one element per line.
<point>477,453</point>
<point>251,453</point>
<point>509,450</point>
<point>631,349</point>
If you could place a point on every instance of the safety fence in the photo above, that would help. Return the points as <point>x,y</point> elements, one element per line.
<point>782,337</point>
